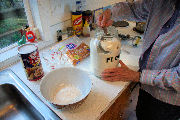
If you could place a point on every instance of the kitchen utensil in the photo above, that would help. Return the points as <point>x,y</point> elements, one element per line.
<point>136,41</point>
<point>120,24</point>
<point>70,31</point>
<point>55,82</point>
<point>140,27</point>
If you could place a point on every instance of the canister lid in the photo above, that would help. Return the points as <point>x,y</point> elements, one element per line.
<point>26,48</point>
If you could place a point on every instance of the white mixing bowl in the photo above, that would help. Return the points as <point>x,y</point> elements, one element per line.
<point>51,82</point>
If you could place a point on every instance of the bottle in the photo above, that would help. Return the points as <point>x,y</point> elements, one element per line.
<point>78,6</point>
<point>87,15</point>
<point>77,19</point>
<point>86,29</point>
<point>29,34</point>
<point>22,40</point>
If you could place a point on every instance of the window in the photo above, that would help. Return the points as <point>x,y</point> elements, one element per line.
<point>38,14</point>
<point>12,20</point>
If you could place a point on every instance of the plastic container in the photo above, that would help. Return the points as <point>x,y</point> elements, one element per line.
<point>86,29</point>
<point>78,6</point>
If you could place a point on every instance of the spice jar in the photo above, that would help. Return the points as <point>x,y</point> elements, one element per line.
<point>104,50</point>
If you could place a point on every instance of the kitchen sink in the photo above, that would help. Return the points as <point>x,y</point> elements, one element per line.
<point>18,102</point>
<point>13,105</point>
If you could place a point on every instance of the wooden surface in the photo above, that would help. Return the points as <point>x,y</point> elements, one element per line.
<point>116,111</point>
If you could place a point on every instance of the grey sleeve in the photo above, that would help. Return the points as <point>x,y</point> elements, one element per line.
<point>168,79</point>
<point>136,11</point>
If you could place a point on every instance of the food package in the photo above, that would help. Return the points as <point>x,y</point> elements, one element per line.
<point>78,54</point>
<point>69,51</point>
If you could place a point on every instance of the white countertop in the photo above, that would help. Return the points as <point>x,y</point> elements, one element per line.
<point>103,93</point>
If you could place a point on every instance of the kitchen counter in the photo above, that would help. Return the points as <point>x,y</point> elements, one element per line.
<point>103,93</point>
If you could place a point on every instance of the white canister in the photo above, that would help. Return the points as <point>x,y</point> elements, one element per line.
<point>104,53</point>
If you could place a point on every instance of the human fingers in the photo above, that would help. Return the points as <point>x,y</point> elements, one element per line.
<point>112,73</point>
<point>99,19</point>
<point>109,23</point>
<point>107,14</point>
<point>122,64</point>
<point>98,23</point>
<point>122,74</point>
<point>112,70</point>
<point>109,73</point>
<point>110,78</point>
<point>106,17</point>
<point>103,23</point>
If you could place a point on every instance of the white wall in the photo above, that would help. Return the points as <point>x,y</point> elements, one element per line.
<point>49,15</point>
<point>95,4</point>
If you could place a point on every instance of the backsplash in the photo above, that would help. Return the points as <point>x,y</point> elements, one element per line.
<point>95,4</point>
<point>52,14</point>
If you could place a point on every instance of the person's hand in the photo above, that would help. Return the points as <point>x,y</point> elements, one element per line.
<point>104,19</point>
<point>122,73</point>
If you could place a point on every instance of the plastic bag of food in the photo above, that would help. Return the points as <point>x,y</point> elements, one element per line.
<point>69,51</point>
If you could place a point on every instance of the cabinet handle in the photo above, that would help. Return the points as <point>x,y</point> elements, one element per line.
<point>120,115</point>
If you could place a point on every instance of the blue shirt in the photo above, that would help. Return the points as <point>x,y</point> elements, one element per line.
<point>161,77</point>
<point>166,27</point>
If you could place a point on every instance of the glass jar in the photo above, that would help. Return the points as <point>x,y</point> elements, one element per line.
<point>104,50</point>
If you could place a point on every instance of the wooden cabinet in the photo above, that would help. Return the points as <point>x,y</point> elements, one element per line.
<point>117,109</point>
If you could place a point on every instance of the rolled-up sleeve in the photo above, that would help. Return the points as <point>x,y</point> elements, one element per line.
<point>137,11</point>
<point>168,79</point>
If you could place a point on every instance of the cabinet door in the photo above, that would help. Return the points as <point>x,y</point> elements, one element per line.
<point>116,111</point>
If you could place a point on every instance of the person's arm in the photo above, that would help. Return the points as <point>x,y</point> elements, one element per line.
<point>136,11</point>
<point>168,79</point>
